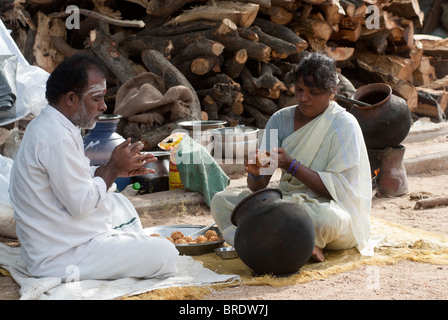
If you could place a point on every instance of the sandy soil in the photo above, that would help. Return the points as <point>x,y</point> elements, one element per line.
<point>405,280</point>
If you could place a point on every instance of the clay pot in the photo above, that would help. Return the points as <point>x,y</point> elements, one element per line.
<point>100,141</point>
<point>387,122</point>
<point>391,179</point>
<point>273,236</point>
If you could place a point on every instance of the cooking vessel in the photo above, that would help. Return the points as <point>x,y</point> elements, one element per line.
<point>233,142</point>
<point>196,130</point>
<point>387,121</point>
<point>273,236</point>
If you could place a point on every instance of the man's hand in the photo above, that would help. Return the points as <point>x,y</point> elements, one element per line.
<point>126,160</point>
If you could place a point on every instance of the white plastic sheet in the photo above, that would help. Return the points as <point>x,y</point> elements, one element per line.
<point>30,81</point>
<point>7,222</point>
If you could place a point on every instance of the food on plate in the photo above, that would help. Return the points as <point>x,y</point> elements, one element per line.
<point>201,239</point>
<point>180,241</point>
<point>177,235</point>
<point>211,233</point>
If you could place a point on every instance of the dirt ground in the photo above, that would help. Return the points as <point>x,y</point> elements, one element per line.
<point>402,281</point>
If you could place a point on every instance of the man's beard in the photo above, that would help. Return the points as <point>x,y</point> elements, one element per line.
<point>83,119</point>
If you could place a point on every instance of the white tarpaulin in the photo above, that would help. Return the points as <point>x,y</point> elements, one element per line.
<point>30,81</point>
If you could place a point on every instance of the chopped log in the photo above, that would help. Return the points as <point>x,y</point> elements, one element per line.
<point>402,36</point>
<point>105,49</point>
<point>97,15</point>
<point>433,45</point>
<point>281,32</point>
<point>265,105</point>
<point>431,103</point>
<point>280,48</point>
<point>332,11</point>
<point>135,45</point>
<point>155,62</point>
<point>63,47</point>
<point>225,32</point>
<point>394,65</point>
<point>208,81</point>
<point>425,73</point>
<point>224,94</point>
<point>431,202</point>
<point>406,8</point>
<point>260,119</point>
<point>441,67</point>
<point>247,81</point>
<point>234,65</point>
<point>200,46</point>
<point>314,29</point>
<point>47,57</point>
<point>437,84</point>
<point>340,53</point>
<point>353,8</point>
<point>278,15</point>
<point>404,88</point>
<point>211,107</point>
<point>376,40</point>
<point>165,8</point>
<point>242,14</point>
<point>267,79</point>
<point>151,138</point>
<point>202,65</point>
<point>346,34</point>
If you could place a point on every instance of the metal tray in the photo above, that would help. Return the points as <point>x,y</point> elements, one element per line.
<point>188,249</point>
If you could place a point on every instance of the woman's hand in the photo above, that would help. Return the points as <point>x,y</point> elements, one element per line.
<point>255,180</point>
<point>283,159</point>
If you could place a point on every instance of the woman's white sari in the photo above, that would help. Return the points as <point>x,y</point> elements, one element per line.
<point>332,144</point>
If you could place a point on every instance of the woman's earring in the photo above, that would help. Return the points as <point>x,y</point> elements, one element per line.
<point>332,96</point>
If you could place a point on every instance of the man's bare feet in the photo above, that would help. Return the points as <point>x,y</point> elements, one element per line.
<point>317,255</point>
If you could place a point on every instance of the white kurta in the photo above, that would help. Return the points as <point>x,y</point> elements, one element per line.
<point>63,213</point>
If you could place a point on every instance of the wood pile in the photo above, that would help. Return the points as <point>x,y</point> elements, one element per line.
<point>234,55</point>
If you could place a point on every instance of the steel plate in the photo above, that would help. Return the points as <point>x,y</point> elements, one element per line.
<point>188,249</point>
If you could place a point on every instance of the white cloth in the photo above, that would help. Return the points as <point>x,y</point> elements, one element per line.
<point>189,273</point>
<point>30,81</point>
<point>63,213</point>
<point>332,144</point>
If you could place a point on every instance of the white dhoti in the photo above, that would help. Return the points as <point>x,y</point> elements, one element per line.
<point>127,251</point>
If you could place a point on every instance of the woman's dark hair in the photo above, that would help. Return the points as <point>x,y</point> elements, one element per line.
<point>317,70</point>
<point>71,75</point>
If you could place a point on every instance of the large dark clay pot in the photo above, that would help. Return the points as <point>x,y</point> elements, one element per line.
<point>387,122</point>
<point>273,236</point>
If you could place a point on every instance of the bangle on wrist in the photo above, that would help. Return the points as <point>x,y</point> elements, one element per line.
<point>295,169</point>
<point>291,166</point>
<point>256,178</point>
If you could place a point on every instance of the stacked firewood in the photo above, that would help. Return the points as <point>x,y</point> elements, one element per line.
<point>234,55</point>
